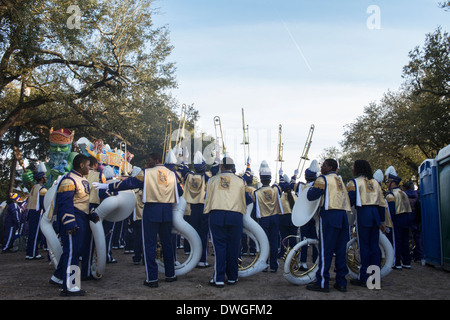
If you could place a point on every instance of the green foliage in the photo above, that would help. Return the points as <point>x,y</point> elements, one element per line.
<point>413,124</point>
<point>110,79</point>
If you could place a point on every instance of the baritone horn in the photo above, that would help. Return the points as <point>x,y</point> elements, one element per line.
<point>219,134</point>
<point>304,156</point>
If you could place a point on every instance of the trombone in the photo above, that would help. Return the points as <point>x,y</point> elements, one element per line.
<point>181,126</point>
<point>306,150</point>
<point>280,151</point>
<point>219,134</point>
<point>246,140</point>
<point>123,148</point>
<point>167,139</point>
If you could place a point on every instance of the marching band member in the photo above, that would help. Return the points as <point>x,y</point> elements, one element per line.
<point>386,227</point>
<point>73,216</point>
<point>268,208</point>
<point>108,226</point>
<point>333,227</point>
<point>400,210</point>
<point>11,222</point>
<point>35,206</point>
<point>137,221</point>
<point>366,195</point>
<point>94,175</point>
<point>194,193</point>
<point>286,227</point>
<point>160,192</point>
<point>309,229</point>
<point>226,204</point>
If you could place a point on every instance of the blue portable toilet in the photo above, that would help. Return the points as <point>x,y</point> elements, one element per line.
<point>429,207</point>
<point>443,171</point>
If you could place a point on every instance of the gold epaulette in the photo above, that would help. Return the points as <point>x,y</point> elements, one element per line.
<point>66,186</point>
<point>351,186</point>
<point>42,192</point>
<point>319,183</point>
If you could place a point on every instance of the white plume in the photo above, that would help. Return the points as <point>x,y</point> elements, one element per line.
<point>314,166</point>
<point>108,172</point>
<point>171,158</point>
<point>198,158</point>
<point>390,170</point>
<point>264,168</point>
<point>378,175</point>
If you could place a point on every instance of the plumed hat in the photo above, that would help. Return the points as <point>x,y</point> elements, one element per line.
<point>311,172</point>
<point>392,175</point>
<point>264,171</point>
<point>378,175</point>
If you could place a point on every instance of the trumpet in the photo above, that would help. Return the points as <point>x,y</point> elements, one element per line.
<point>280,151</point>
<point>219,134</point>
<point>246,140</point>
<point>304,155</point>
<point>167,139</point>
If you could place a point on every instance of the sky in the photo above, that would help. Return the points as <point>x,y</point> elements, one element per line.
<point>293,63</point>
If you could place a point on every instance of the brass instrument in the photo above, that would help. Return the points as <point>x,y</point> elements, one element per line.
<point>219,134</point>
<point>280,151</point>
<point>181,126</point>
<point>304,155</point>
<point>246,140</point>
<point>123,148</point>
<point>167,139</point>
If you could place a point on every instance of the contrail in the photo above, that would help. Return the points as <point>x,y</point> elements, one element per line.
<point>297,46</point>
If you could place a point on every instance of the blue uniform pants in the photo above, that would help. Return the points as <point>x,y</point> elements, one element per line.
<point>199,221</point>
<point>72,248</point>
<point>270,226</point>
<point>150,231</point>
<point>34,217</point>
<point>226,230</point>
<point>333,239</point>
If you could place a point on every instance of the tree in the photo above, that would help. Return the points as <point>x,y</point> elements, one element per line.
<point>410,125</point>
<point>108,79</point>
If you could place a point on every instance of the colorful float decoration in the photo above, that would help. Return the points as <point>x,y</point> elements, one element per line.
<point>118,159</point>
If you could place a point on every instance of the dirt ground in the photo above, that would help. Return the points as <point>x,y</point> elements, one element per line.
<point>28,280</point>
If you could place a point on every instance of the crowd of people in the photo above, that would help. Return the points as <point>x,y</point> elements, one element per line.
<point>217,200</point>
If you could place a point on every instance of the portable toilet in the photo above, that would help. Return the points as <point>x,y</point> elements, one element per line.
<point>429,207</point>
<point>443,170</point>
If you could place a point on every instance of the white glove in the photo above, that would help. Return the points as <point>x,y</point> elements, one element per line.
<point>280,172</point>
<point>296,172</point>
<point>98,185</point>
<point>249,161</point>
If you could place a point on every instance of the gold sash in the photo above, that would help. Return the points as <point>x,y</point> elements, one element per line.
<point>195,188</point>
<point>225,191</point>
<point>267,202</point>
<point>336,196</point>
<point>160,185</point>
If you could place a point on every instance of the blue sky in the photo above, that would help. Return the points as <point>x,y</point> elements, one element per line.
<point>293,63</point>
